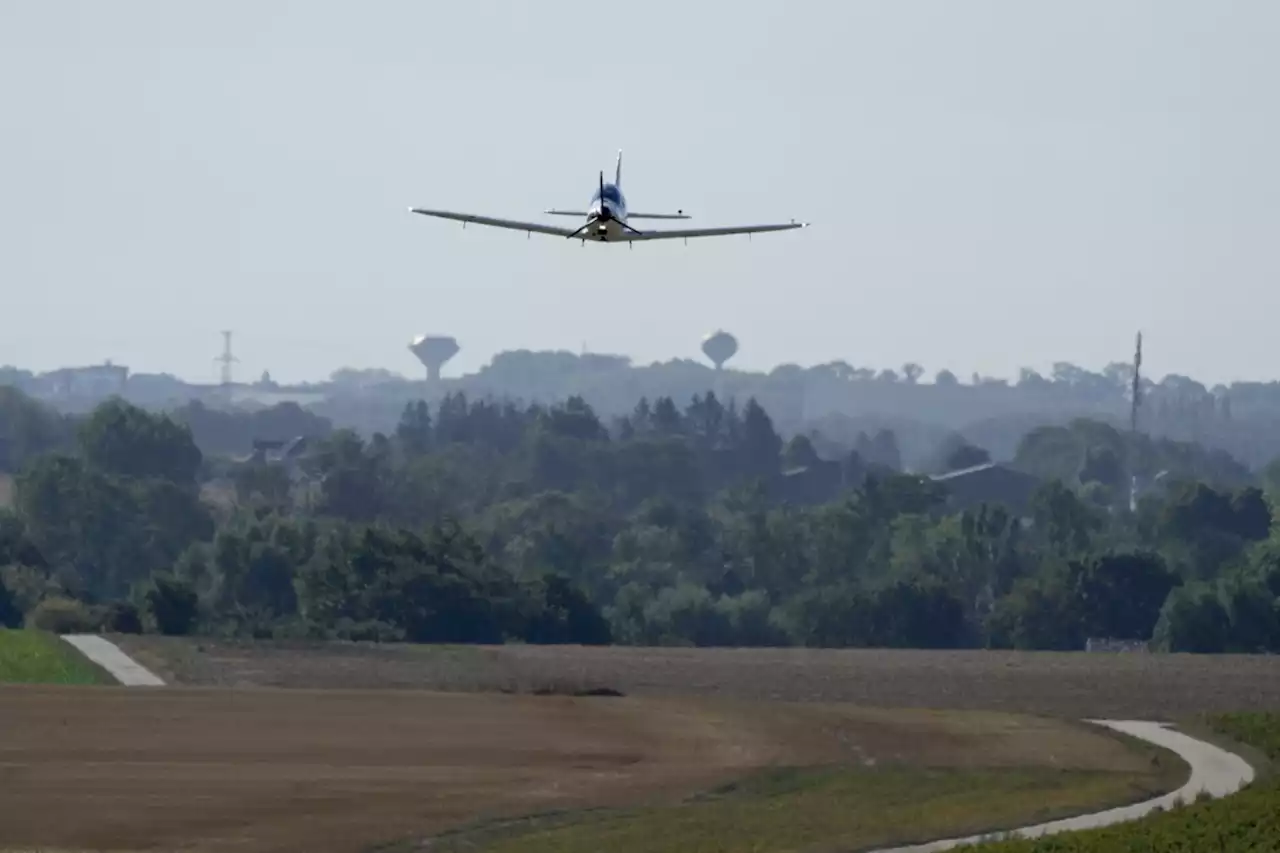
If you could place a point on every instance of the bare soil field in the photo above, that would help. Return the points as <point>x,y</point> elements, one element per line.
<point>202,769</point>
<point>1157,687</point>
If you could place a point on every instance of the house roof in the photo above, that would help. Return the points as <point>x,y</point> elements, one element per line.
<point>963,472</point>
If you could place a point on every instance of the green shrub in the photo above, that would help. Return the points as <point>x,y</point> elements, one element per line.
<point>59,615</point>
<point>122,617</point>
<point>10,614</point>
<point>173,605</point>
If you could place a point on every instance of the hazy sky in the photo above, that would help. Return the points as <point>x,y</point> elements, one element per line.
<point>991,184</point>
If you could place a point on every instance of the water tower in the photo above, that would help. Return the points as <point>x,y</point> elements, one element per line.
<point>433,351</point>
<point>719,346</point>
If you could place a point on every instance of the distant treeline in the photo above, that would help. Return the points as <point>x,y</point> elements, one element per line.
<point>842,400</point>
<point>837,398</point>
<point>689,522</point>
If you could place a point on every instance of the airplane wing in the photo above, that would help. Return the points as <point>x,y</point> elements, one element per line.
<point>711,232</point>
<point>513,224</point>
<point>581,214</point>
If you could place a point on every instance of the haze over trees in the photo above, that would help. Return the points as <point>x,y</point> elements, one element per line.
<point>921,404</point>
<point>690,522</point>
<point>841,399</point>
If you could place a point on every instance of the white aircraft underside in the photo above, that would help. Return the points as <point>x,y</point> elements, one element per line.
<point>607,220</point>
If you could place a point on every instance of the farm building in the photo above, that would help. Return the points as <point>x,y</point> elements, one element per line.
<point>991,482</point>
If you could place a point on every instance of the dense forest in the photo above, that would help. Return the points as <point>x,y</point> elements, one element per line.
<point>688,522</point>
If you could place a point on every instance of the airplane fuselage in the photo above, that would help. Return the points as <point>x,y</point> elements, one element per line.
<point>607,213</point>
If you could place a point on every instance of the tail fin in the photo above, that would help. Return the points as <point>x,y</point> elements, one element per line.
<point>617,176</point>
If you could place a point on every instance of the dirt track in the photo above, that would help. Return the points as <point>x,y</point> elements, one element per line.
<point>1078,685</point>
<point>259,770</point>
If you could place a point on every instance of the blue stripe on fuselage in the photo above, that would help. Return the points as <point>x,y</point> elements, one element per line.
<point>613,197</point>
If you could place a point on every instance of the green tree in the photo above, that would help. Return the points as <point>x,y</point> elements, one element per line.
<point>28,429</point>
<point>122,617</point>
<point>125,441</point>
<point>86,522</point>
<point>1253,615</point>
<point>173,604</point>
<point>263,484</point>
<point>415,428</point>
<point>760,448</point>
<point>354,479</point>
<point>1038,613</point>
<point>565,615</point>
<point>1209,528</point>
<point>1120,595</point>
<point>10,613</point>
<point>1193,620</point>
<point>1270,479</point>
<point>1067,524</point>
<point>799,452</point>
<point>16,546</point>
<point>831,617</point>
<point>917,613</point>
<point>1102,465</point>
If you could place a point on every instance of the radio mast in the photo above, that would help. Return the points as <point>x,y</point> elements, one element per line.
<point>1134,405</point>
<point>226,359</point>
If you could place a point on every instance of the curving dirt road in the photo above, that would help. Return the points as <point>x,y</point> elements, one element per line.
<point>1213,770</point>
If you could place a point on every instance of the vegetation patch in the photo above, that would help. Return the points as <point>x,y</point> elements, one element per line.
<point>36,657</point>
<point>836,808</point>
<point>1247,822</point>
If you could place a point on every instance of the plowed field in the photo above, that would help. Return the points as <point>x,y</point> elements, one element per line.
<point>202,769</point>
<point>1153,687</point>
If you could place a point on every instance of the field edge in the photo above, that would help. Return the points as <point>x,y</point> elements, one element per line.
<point>1171,773</point>
<point>1058,684</point>
<point>60,650</point>
<point>523,830</point>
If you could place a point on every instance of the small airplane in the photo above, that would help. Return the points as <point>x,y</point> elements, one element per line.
<point>607,220</point>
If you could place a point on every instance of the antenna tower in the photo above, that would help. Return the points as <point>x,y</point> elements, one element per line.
<point>1134,405</point>
<point>1136,402</point>
<point>226,359</point>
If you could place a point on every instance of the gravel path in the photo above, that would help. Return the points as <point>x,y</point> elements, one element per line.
<point>1213,770</point>
<point>108,655</point>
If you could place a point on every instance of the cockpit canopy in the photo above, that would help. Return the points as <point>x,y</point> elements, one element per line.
<point>611,193</point>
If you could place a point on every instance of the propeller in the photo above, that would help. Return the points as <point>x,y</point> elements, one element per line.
<point>604,215</point>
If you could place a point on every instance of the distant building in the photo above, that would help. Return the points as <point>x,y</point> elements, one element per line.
<point>991,482</point>
<point>277,451</point>
<point>100,380</point>
<point>809,485</point>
